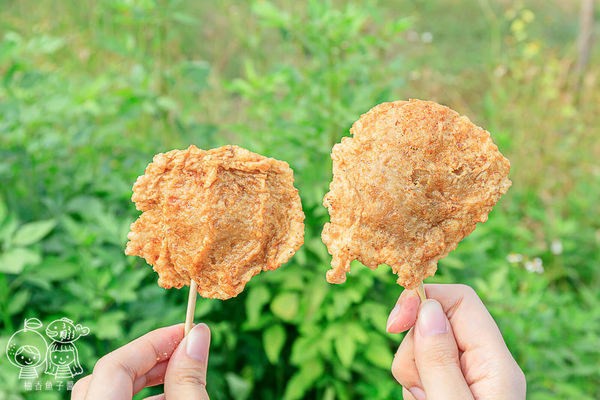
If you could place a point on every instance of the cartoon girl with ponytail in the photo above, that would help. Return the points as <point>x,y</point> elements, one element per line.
<point>63,359</point>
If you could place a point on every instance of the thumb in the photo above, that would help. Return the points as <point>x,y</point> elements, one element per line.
<point>436,355</point>
<point>186,372</point>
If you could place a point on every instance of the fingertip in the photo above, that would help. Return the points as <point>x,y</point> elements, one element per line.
<point>198,342</point>
<point>186,373</point>
<point>404,314</point>
<point>417,393</point>
<point>406,394</point>
<point>80,388</point>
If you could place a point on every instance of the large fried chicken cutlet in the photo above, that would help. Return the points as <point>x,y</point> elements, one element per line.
<point>218,217</point>
<point>412,182</point>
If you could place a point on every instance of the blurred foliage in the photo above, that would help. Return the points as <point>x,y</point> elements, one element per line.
<point>89,94</point>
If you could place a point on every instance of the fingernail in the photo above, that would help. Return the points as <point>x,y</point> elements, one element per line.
<point>431,320</point>
<point>198,342</point>
<point>393,316</point>
<point>417,393</point>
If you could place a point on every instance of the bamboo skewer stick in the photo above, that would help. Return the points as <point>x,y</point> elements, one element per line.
<point>421,292</point>
<point>191,307</point>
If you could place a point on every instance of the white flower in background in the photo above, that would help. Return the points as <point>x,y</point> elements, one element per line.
<point>414,75</point>
<point>499,71</point>
<point>427,37</point>
<point>556,247</point>
<point>514,258</point>
<point>83,54</point>
<point>535,265</point>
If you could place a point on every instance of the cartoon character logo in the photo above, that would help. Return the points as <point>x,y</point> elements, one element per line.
<point>62,356</point>
<point>27,348</point>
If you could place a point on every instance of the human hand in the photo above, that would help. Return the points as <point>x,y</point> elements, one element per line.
<point>454,351</point>
<point>160,356</point>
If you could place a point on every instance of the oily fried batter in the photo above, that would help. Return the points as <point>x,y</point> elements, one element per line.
<point>412,182</point>
<point>218,217</point>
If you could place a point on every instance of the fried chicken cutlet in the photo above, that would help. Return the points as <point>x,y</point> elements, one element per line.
<point>218,217</point>
<point>413,180</point>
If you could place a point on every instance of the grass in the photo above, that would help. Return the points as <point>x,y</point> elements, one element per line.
<point>89,94</point>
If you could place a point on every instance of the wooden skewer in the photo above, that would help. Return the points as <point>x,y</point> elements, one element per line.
<point>421,292</point>
<point>191,307</point>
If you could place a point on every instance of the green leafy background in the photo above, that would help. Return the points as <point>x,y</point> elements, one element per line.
<point>88,93</point>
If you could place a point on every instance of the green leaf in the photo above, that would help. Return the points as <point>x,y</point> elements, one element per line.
<point>257,298</point>
<point>345,347</point>
<point>452,262</point>
<point>303,379</point>
<point>304,349</point>
<point>86,206</point>
<point>273,341</point>
<point>109,325</point>
<point>356,332</point>
<point>32,232</point>
<point>316,246</point>
<point>238,386</point>
<point>185,19</point>
<point>37,281</point>
<point>3,210</point>
<point>285,306</point>
<point>18,301</point>
<point>401,25</point>
<point>54,269</point>
<point>8,226</point>
<point>14,260</point>
<point>374,312</point>
<point>269,14</point>
<point>379,354</point>
<point>167,103</point>
<point>204,307</point>
<point>316,294</point>
<point>196,73</point>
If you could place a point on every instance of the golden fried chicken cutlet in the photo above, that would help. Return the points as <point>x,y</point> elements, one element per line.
<point>218,217</point>
<point>412,182</point>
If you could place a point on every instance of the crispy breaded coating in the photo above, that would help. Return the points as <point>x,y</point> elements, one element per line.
<point>218,217</point>
<point>412,182</point>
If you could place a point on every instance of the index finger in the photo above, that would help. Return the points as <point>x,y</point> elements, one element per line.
<point>404,314</point>
<point>115,373</point>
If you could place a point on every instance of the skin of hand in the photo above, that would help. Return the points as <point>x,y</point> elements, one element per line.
<point>454,349</point>
<point>160,356</point>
